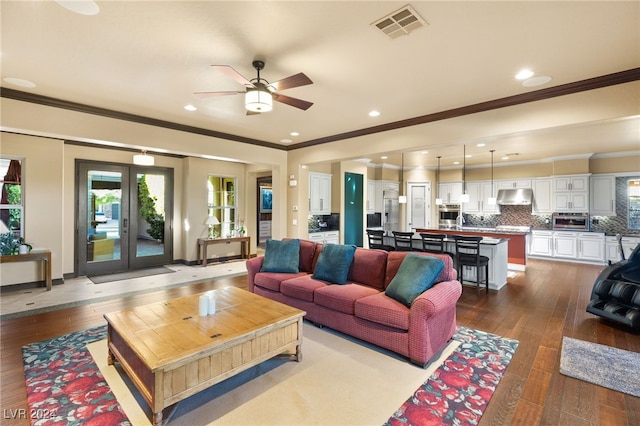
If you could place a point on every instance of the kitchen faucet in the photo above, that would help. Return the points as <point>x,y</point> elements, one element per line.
<point>459,221</point>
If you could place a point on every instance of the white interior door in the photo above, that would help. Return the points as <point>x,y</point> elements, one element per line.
<point>418,205</point>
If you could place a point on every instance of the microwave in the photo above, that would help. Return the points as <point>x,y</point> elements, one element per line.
<point>447,215</point>
<point>571,221</point>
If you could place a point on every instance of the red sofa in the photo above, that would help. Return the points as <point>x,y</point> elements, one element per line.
<point>360,307</point>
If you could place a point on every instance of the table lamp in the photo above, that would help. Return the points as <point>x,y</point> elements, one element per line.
<point>211,222</point>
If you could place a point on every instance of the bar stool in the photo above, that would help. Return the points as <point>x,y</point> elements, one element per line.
<point>468,254</point>
<point>403,241</point>
<point>434,243</point>
<point>376,240</point>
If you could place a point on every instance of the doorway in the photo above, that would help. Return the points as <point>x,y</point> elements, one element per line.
<point>419,205</point>
<point>123,216</point>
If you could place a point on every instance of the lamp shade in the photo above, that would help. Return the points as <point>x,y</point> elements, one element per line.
<point>212,220</point>
<point>143,159</point>
<point>258,100</point>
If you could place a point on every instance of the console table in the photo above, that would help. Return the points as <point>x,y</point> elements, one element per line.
<point>41,255</point>
<point>203,243</point>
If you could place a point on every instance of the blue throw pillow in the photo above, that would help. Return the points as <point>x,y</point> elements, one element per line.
<point>281,256</point>
<point>415,276</point>
<point>334,262</point>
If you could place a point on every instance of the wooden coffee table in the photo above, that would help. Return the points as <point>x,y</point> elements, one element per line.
<point>171,353</point>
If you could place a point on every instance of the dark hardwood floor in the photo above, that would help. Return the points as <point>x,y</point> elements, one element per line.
<point>537,308</point>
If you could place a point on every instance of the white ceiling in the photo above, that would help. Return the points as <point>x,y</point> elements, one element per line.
<point>148,57</point>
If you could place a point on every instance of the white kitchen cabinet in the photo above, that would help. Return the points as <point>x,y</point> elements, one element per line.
<point>514,184</point>
<point>319,193</point>
<point>613,248</point>
<point>371,196</point>
<point>591,247</point>
<point>571,183</point>
<point>565,245</point>
<point>542,199</point>
<point>602,196</point>
<point>450,192</point>
<point>328,237</point>
<point>479,193</point>
<point>571,193</point>
<point>541,243</point>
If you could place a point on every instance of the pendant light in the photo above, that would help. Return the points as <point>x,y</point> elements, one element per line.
<point>464,198</point>
<point>492,200</point>
<point>402,199</point>
<point>438,199</point>
<point>143,159</point>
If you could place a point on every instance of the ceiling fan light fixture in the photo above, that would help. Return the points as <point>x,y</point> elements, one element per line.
<point>143,159</point>
<point>258,100</point>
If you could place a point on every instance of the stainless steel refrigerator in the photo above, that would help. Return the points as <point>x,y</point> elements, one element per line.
<point>391,213</point>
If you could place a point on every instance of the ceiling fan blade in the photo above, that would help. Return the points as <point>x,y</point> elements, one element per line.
<point>232,74</point>
<point>297,80</point>
<point>209,94</point>
<point>294,102</point>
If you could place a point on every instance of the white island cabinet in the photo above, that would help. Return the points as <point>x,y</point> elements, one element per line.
<point>587,247</point>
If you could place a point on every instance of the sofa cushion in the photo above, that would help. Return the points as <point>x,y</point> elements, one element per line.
<point>415,275</point>
<point>334,262</point>
<point>395,258</point>
<point>342,298</point>
<point>281,256</point>
<point>382,309</point>
<point>307,254</point>
<point>272,280</point>
<point>302,288</point>
<point>368,267</point>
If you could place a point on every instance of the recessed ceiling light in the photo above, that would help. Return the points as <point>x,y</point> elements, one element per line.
<point>374,113</point>
<point>286,140</point>
<point>424,152</point>
<point>456,162</point>
<point>384,157</point>
<point>83,7</point>
<point>505,158</point>
<point>18,82</point>
<point>190,107</point>
<point>524,74</point>
<point>294,134</point>
<point>481,145</point>
<point>468,156</point>
<point>536,81</point>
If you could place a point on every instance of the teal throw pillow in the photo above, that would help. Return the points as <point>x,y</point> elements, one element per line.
<point>281,256</point>
<point>334,262</point>
<point>415,276</point>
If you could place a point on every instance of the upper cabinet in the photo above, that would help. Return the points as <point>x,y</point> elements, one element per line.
<point>319,193</point>
<point>542,199</point>
<point>571,193</point>
<point>371,196</point>
<point>450,192</point>
<point>479,193</point>
<point>603,196</point>
<point>514,184</point>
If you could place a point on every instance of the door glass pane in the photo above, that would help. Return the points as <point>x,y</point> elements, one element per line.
<point>151,215</point>
<point>103,215</point>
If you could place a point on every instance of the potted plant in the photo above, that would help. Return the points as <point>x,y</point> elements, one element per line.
<point>10,244</point>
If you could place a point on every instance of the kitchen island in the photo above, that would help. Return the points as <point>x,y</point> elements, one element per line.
<point>517,253</point>
<point>495,249</point>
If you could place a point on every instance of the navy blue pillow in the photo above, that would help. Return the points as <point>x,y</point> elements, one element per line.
<point>281,256</point>
<point>415,276</point>
<point>334,262</point>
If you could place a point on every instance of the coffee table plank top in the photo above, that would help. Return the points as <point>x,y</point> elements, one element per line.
<point>165,332</point>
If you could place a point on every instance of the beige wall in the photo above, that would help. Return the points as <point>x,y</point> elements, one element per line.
<point>629,163</point>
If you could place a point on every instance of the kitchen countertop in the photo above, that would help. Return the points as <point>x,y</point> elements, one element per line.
<point>327,229</point>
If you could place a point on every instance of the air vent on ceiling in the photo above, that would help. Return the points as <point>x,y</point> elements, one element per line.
<point>401,22</point>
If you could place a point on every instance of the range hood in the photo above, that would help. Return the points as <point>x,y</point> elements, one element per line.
<point>515,197</point>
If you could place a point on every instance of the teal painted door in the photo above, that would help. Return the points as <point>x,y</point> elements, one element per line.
<point>353,208</point>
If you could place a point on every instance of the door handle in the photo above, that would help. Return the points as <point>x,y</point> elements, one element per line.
<point>124,222</point>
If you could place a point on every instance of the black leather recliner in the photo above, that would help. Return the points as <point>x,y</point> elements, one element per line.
<point>616,292</point>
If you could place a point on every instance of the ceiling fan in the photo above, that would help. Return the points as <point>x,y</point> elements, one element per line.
<point>260,94</point>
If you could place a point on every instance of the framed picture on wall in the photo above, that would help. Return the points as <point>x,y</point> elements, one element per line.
<point>266,200</point>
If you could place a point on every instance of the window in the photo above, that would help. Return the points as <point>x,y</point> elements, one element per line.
<point>12,202</point>
<point>221,201</point>
<point>633,193</point>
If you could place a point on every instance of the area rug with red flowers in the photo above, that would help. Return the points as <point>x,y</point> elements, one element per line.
<point>458,392</point>
<point>65,383</point>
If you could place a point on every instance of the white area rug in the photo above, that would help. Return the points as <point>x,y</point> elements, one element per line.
<point>339,381</point>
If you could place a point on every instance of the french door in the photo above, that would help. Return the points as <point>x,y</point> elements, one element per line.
<point>123,217</point>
